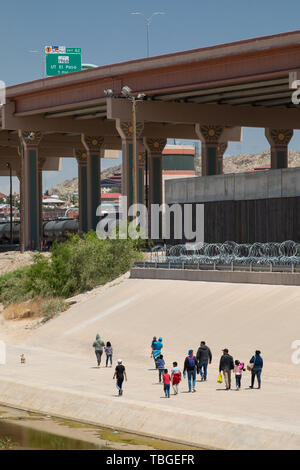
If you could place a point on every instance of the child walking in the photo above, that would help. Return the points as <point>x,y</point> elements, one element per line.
<point>109,353</point>
<point>119,374</point>
<point>238,368</point>
<point>160,364</point>
<point>166,381</point>
<point>175,377</point>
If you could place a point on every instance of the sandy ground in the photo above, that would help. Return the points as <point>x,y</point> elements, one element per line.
<point>18,331</point>
<point>11,260</point>
<point>131,311</point>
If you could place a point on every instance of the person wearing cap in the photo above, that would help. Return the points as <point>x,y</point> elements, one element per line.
<point>120,373</point>
<point>226,366</point>
<point>190,367</point>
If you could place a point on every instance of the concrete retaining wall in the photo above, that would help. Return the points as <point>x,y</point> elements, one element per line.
<point>287,279</point>
<point>235,187</point>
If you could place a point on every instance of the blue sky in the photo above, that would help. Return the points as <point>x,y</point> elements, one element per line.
<point>107,33</point>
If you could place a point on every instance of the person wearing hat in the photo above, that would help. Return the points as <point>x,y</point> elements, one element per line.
<point>190,367</point>
<point>226,366</point>
<point>120,373</point>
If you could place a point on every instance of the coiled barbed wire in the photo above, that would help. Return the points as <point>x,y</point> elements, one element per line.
<point>272,253</point>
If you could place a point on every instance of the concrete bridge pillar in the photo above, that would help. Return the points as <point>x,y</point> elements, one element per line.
<point>93,145</point>
<point>221,149</point>
<point>279,140</point>
<point>41,161</point>
<point>30,188</point>
<point>81,157</point>
<point>141,157</point>
<point>125,130</point>
<point>210,137</point>
<point>155,148</point>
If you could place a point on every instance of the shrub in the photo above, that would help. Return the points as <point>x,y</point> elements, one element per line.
<point>77,265</point>
<point>12,286</point>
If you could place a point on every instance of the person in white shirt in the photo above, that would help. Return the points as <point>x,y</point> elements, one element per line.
<point>175,377</point>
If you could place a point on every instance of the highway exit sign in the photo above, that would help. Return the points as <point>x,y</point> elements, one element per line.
<point>61,60</point>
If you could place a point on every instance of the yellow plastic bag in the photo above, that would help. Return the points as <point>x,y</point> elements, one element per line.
<point>220,380</point>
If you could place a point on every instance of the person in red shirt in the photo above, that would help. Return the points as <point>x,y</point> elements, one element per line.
<point>166,381</point>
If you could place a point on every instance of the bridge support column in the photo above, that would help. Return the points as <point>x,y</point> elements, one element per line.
<point>210,138</point>
<point>30,188</point>
<point>125,130</point>
<point>155,148</point>
<point>93,146</point>
<point>41,162</point>
<point>221,149</point>
<point>141,157</point>
<point>81,157</point>
<point>279,140</point>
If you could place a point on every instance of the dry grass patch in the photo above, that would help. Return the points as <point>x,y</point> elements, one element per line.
<point>36,308</point>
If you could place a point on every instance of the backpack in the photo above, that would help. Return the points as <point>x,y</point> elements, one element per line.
<point>192,362</point>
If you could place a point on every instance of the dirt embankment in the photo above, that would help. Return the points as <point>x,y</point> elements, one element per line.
<point>11,260</point>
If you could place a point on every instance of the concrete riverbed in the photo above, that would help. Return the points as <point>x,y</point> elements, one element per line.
<point>60,377</point>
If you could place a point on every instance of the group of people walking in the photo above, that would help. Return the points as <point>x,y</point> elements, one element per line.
<point>120,371</point>
<point>198,364</point>
<point>193,365</point>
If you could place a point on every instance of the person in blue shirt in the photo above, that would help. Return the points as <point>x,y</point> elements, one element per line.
<point>157,347</point>
<point>160,362</point>
<point>258,363</point>
<point>152,347</point>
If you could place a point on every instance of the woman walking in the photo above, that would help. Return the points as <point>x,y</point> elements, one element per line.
<point>256,369</point>
<point>157,347</point>
<point>98,344</point>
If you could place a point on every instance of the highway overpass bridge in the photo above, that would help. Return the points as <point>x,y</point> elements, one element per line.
<point>207,94</point>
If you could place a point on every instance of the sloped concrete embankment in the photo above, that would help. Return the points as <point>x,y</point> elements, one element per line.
<point>146,419</point>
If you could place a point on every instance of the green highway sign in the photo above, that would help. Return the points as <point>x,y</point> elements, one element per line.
<point>61,60</point>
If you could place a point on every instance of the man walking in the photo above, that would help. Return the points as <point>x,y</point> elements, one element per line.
<point>190,367</point>
<point>204,357</point>
<point>226,366</point>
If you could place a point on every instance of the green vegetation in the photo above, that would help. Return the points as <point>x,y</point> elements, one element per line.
<point>78,265</point>
<point>6,443</point>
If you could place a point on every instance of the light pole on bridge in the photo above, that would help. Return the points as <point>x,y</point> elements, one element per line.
<point>148,22</point>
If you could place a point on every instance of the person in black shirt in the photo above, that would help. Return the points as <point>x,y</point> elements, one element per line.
<point>120,373</point>
<point>226,366</point>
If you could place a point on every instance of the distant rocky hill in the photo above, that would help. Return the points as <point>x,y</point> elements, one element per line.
<point>243,163</point>
<point>235,164</point>
<point>71,186</point>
